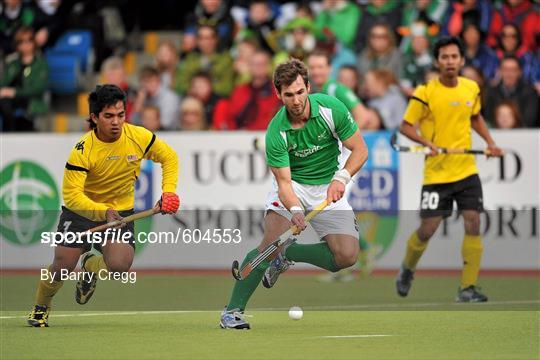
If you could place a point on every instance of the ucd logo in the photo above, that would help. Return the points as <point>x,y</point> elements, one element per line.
<point>374,194</point>
<point>29,202</point>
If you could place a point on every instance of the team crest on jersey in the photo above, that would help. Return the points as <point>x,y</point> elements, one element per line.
<point>132,158</point>
<point>322,136</point>
<point>468,103</point>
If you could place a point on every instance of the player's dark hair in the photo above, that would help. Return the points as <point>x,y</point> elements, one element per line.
<point>287,72</point>
<point>102,97</point>
<point>445,41</point>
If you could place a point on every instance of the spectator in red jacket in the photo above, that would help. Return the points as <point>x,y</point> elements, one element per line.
<point>520,13</point>
<point>252,105</point>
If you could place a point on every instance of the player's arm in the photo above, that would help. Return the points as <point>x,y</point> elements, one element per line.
<point>417,109</point>
<point>359,155</point>
<point>287,196</point>
<point>479,125</point>
<point>359,114</point>
<point>353,104</point>
<point>75,173</point>
<point>159,151</point>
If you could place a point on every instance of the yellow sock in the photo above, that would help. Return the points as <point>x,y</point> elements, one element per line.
<point>471,250</point>
<point>415,249</point>
<point>46,290</point>
<point>95,264</point>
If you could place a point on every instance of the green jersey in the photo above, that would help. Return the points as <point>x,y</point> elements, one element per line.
<point>311,152</point>
<point>342,93</point>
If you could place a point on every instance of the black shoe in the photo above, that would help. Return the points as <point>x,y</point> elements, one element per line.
<point>85,288</point>
<point>404,281</point>
<point>471,294</point>
<point>39,316</point>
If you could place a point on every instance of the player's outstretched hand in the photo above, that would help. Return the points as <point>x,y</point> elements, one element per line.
<point>494,150</point>
<point>335,191</point>
<point>169,203</point>
<point>113,215</point>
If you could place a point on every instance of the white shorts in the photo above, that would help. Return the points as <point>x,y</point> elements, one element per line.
<point>337,219</point>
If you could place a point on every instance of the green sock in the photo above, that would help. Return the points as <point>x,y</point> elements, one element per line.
<point>315,254</point>
<point>243,289</point>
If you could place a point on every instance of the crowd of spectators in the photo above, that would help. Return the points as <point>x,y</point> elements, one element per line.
<point>219,78</point>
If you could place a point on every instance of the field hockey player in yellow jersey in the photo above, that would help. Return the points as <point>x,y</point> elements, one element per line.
<point>444,110</point>
<point>98,187</point>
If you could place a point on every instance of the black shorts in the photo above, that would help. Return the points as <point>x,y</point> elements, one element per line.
<point>438,199</point>
<point>71,222</point>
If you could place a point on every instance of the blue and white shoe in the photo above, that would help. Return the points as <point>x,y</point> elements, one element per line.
<point>233,319</point>
<point>278,266</point>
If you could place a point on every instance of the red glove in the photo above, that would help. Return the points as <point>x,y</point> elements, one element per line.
<point>169,203</point>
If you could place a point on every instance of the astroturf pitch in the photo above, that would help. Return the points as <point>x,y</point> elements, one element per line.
<point>178,316</point>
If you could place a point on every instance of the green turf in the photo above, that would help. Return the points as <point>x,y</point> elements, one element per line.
<point>442,331</point>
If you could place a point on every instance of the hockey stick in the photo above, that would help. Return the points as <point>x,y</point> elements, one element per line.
<point>419,149</point>
<point>240,274</point>
<point>134,217</point>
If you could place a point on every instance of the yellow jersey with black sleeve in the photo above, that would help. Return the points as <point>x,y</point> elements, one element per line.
<point>443,115</point>
<point>100,175</point>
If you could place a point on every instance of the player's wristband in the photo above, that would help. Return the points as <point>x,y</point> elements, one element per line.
<point>296,209</point>
<point>342,176</point>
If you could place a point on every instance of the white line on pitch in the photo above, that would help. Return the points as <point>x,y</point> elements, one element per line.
<point>407,305</point>
<point>352,336</point>
<point>123,313</point>
<point>311,308</point>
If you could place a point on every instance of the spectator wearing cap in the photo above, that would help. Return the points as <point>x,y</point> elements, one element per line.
<point>207,58</point>
<point>298,40</point>
<point>418,60</point>
<point>429,13</point>
<point>512,87</point>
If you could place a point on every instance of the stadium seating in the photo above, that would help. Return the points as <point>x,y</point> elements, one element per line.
<point>71,56</point>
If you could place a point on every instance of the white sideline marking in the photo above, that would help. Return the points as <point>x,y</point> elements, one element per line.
<point>352,336</point>
<point>123,313</point>
<point>311,308</point>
